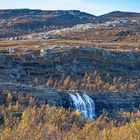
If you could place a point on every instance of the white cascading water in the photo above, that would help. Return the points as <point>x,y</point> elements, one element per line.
<point>84,104</point>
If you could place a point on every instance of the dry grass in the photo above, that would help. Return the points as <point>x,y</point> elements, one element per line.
<point>37,45</point>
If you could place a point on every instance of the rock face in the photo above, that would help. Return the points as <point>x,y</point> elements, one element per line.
<point>110,102</point>
<point>75,61</point>
<point>102,101</point>
<point>116,101</point>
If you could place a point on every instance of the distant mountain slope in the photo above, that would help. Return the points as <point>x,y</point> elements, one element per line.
<point>24,21</point>
<point>5,14</point>
<point>88,32</point>
<point>129,20</point>
<point>119,14</point>
<point>19,22</point>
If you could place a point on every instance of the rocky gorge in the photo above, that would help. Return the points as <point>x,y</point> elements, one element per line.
<point>25,70</point>
<point>24,65</point>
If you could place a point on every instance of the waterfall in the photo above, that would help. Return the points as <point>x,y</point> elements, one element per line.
<point>84,104</point>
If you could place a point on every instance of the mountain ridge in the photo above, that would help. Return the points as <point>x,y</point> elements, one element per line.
<point>51,11</point>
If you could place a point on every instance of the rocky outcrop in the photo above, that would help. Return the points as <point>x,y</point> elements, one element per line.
<point>113,102</point>
<point>110,102</point>
<point>55,61</point>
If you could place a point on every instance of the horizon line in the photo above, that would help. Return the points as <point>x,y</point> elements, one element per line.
<point>70,10</point>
